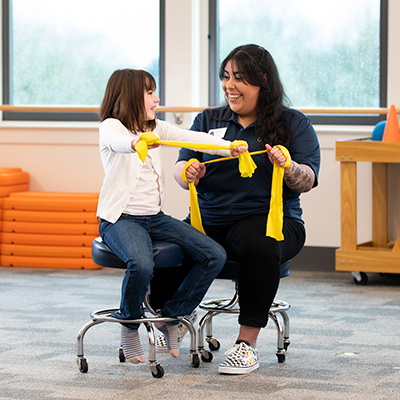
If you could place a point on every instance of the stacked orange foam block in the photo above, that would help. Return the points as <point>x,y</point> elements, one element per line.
<point>49,230</point>
<point>11,180</point>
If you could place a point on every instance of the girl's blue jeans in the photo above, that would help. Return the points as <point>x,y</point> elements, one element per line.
<point>130,238</point>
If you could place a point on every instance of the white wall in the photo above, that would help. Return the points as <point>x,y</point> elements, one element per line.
<point>64,157</point>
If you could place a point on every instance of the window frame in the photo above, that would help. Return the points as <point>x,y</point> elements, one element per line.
<point>58,115</point>
<point>320,118</point>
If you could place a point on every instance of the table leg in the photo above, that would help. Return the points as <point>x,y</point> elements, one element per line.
<point>348,198</point>
<point>379,205</point>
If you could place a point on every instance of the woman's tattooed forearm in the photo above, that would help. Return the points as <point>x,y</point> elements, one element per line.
<point>299,177</point>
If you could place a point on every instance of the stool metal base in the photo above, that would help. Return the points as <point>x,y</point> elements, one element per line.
<point>229,306</point>
<point>165,255</point>
<point>101,316</point>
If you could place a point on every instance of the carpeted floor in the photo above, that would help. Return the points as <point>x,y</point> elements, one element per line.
<point>344,342</point>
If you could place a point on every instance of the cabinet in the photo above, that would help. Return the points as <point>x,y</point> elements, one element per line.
<point>376,255</point>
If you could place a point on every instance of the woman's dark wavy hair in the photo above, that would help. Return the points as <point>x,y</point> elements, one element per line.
<point>258,68</point>
<point>124,99</point>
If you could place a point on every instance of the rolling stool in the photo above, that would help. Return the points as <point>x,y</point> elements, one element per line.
<point>221,306</point>
<point>166,255</point>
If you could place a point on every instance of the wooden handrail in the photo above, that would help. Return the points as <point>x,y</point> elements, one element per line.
<point>163,109</point>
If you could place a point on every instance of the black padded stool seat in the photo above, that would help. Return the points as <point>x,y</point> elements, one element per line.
<point>166,255</point>
<point>229,306</point>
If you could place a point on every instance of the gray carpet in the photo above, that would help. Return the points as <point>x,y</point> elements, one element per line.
<point>344,342</point>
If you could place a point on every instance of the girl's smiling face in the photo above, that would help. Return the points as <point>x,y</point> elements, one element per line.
<point>150,103</point>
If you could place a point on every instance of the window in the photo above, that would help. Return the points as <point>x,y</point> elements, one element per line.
<point>330,54</point>
<point>61,53</point>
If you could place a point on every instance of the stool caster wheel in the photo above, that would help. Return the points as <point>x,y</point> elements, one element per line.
<point>213,344</point>
<point>286,344</point>
<point>194,360</point>
<point>121,355</point>
<point>82,365</point>
<point>281,358</point>
<point>159,372</point>
<point>206,356</point>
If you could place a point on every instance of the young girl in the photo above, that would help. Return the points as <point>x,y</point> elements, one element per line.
<point>130,206</point>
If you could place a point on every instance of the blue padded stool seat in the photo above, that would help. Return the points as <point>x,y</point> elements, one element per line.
<point>230,306</point>
<point>166,255</point>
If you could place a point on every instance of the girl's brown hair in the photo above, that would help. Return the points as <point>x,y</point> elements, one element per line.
<point>124,99</point>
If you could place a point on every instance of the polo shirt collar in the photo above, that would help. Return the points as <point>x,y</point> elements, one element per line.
<point>233,118</point>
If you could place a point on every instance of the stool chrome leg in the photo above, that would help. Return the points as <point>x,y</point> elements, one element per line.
<point>155,368</point>
<point>214,307</point>
<point>206,321</point>
<point>80,359</point>
<point>280,352</point>
<point>280,307</point>
<point>193,355</point>
<point>286,328</point>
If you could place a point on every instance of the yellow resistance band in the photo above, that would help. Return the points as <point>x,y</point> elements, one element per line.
<point>275,214</point>
<point>246,163</point>
<point>246,169</point>
<point>195,216</point>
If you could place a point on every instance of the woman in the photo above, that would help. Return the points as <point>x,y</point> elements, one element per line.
<point>131,200</point>
<point>234,210</point>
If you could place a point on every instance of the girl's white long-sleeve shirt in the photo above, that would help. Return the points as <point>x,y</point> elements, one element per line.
<point>122,165</point>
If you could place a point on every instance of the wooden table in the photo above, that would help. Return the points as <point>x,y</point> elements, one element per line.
<point>374,256</point>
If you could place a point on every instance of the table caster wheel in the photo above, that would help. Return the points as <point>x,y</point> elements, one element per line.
<point>360,278</point>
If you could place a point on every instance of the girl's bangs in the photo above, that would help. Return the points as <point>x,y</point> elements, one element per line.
<point>150,83</point>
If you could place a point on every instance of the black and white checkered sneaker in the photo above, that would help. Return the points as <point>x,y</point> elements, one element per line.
<point>161,344</point>
<point>242,359</point>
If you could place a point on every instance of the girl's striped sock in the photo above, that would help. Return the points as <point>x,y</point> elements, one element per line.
<point>171,337</point>
<point>131,345</point>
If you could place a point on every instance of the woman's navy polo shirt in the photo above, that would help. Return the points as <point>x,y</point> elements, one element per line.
<point>224,196</point>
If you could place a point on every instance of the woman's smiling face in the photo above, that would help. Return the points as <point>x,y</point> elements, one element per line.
<point>241,96</point>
